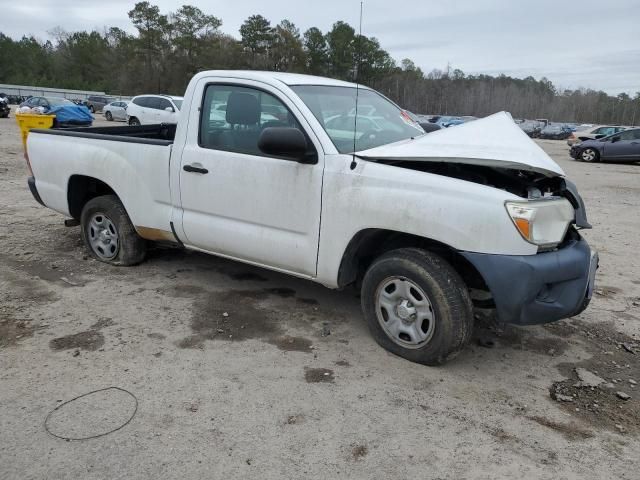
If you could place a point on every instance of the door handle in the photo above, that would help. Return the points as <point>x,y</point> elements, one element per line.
<point>192,169</point>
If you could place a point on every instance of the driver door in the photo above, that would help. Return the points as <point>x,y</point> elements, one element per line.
<point>622,147</point>
<point>237,201</point>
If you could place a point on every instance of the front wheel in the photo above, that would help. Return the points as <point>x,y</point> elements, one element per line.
<point>589,155</point>
<point>108,116</point>
<point>133,121</point>
<point>109,234</point>
<point>417,306</point>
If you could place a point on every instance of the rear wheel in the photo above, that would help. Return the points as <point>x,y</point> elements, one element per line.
<point>134,121</point>
<point>109,234</point>
<point>589,155</point>
<point>417,306</point>
<point>108,116</point>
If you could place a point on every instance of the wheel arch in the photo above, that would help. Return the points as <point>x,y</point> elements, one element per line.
<point>81,189</point>
<point>368,244</point>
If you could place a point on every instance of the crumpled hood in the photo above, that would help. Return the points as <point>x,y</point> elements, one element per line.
<point>494,141</point>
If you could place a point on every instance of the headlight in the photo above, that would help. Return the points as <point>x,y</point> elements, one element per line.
<point>542,222</point>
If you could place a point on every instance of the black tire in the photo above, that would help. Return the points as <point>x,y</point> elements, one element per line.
<point>91,109</point>
<point>447,294</point>
<point>108,116</point>
<point>589,155</point>
<point>134,121</point>
<point>131,248</point>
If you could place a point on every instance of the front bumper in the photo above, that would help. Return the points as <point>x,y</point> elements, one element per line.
<point>574,151</point>
<point>541,288</point>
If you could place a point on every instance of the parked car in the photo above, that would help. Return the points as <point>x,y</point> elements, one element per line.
<point>45,102</point>
<point>422,222</point>
<point>116,110</point>
<point>152,109</point>
<point>67,113</point>
<point>593,133</point>
<point>5,109</point>
<point>95,103</point>
<point>531,128</point>
<point>14,99</point>
<point>619,147</point>
<point>555,131</point>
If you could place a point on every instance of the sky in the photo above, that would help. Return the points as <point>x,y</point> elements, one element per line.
<point>581,43</point>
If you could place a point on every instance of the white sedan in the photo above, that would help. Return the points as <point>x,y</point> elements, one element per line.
<point>116,111</point>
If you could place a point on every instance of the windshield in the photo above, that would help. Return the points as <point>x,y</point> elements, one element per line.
<point>379,121</point>
<point>178,103</point>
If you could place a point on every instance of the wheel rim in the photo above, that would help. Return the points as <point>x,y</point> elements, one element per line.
<point>108,116</point>
<point>103,236</point>
<point>404,312</point>
<point>588,155</point>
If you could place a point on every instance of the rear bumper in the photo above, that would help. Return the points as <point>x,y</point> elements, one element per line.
<point>31,181</point>
<point>542,288</point>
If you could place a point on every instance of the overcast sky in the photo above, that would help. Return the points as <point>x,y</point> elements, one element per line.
<point>579,43</point>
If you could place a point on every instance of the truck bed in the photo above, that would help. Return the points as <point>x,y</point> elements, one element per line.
<point>131,161</point>
<point>160,134</point>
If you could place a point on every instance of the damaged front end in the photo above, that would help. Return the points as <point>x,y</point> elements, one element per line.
<point>557,281</point>
<point>492,151</point>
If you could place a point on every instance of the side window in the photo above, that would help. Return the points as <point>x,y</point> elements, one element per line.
<point>233,117</point>
<point>636,134</point>
<point>163,103</point>
<point>598,131</point>
<point>140,101</point>
<point>153,102</point>
<point>628,135</point>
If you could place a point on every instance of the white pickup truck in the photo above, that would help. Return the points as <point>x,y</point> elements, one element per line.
<point>282,171</point>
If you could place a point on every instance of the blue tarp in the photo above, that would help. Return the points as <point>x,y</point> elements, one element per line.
<point>72,115</point>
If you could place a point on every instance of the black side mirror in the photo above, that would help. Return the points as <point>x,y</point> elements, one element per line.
<point>429,127</point>
<point>615,139</point>
<point>285,142</point>
<point>599,136</point>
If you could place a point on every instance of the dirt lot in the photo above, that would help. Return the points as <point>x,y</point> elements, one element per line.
<point>244,373</point>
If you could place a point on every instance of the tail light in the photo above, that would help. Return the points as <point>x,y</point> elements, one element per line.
<point>26,157</point>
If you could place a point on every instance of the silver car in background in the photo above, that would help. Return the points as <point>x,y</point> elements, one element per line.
<point>116,110</point>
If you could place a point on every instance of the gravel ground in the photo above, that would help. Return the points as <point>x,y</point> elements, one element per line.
<point>238,372</point>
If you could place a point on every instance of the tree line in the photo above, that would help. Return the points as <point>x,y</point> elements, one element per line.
<point>170,47</point>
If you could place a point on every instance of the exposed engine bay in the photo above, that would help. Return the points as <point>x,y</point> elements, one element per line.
<point>525,184</point>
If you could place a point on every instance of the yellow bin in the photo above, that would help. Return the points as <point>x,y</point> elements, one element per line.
<point>27,121</point>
